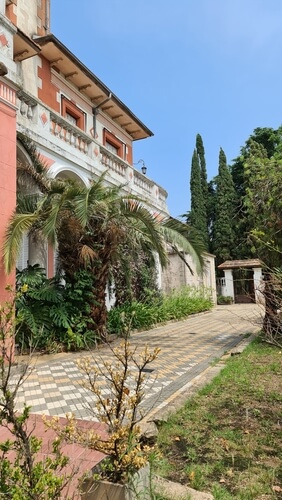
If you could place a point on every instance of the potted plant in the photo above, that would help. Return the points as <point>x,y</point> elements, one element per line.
<point>123,474</point>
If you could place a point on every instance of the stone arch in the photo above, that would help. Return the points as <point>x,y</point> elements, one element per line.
<point>22,154</point>
<point>69,172</point>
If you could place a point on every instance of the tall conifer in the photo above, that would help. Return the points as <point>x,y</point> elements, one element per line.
<point>223,230</point>
<point>197,214</point>
<point>204,185</point>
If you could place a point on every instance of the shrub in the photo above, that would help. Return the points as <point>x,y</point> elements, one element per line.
<point>177,305</point>
<point>52,316</point>
<point>23,476</point>
<point>126,382</point>
<point>222,300</point>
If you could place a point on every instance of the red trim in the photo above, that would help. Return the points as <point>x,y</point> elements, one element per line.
<point>73,110</point>
<point>112,139</point>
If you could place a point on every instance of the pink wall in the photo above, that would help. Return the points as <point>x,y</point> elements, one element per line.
<point>7,181</point>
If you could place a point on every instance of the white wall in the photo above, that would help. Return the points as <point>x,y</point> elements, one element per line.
<point>177,274</point>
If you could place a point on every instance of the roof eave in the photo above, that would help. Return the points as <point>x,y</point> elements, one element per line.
<point>140,131</point>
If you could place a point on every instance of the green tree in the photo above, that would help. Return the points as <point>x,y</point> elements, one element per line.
<point>197,216</point>
<point>263,205</point>
<point>269,141</point>
<point>204,184</point>
<point>223,231</point>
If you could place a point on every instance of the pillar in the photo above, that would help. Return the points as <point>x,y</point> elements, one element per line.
<point>8,162</point>
<point>228,290</point>
<point>258,284</point>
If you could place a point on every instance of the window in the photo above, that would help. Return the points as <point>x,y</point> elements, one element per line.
<point>72,119</point>
<point>113,144</point>
<point>72,113</point>
<point>112,148</point>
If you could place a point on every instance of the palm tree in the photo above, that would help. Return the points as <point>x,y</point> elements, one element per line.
<point>90,226</point>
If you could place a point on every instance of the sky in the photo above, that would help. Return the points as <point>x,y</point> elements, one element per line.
<point>184,67</point>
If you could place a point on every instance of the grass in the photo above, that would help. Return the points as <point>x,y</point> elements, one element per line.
<point>228,438</point>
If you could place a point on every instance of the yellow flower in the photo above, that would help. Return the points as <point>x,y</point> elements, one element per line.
<point>24,288</point>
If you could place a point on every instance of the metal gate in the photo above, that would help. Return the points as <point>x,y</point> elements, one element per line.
<point>244,290</point>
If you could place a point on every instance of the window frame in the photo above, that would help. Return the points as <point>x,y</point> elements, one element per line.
<point>68,107</point>
<point>110,138</point>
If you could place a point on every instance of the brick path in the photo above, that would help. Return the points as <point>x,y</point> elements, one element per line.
<point>187,348</point>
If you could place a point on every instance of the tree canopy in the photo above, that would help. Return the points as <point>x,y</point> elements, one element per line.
<point>197,216</point>
<point>223,234</point>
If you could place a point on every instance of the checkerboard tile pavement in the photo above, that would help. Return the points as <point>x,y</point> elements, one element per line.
<point>54,385</point>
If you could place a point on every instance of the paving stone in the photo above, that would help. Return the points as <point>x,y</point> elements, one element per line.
<point>54,383</point>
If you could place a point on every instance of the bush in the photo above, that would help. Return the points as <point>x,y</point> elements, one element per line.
<point>222,300</point>
<point>176,306</point>
<point>23,474</point>
<point>52,316</point>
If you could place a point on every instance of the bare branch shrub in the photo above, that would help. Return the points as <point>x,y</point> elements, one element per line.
<point>23,476</point>
<point>119,410</point>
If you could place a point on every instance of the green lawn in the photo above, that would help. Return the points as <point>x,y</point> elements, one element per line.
<point>228,438</point>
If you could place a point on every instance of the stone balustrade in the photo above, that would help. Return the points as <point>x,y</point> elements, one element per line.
<point>143,183</point>
<point>31,110</point>
<point>64,130</point>
<point>113,162</point>
<point>162,198</point>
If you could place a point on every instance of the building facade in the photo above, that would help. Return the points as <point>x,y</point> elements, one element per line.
<point>79,127</point>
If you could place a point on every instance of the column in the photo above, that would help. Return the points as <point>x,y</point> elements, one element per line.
<point>8,169</point>
<point>228,290</point>
<point>258,284</point>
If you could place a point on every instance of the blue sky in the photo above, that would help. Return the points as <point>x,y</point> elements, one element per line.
<point>184,67</point>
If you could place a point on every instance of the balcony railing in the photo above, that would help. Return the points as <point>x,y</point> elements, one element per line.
<point>109,160</point>
<point>62,129</point>
<point>69,133</point>
<point>141,182</point>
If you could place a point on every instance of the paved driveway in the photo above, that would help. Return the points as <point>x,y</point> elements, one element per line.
<point>187,348</point>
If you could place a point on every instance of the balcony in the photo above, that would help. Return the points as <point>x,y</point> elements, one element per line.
<point>69,133</point>
<point>56,132</point>
<point>113,162</point>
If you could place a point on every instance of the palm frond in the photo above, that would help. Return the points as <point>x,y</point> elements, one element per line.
<point>149,227</point>
<point>27,204</point>
<point>182,238</point>
<point>87,255</point>
<point>19,225</point>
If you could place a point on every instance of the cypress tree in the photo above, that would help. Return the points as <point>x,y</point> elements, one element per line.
<point>204,184</point>
<point>197,217</point>
<point>223,230</point>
